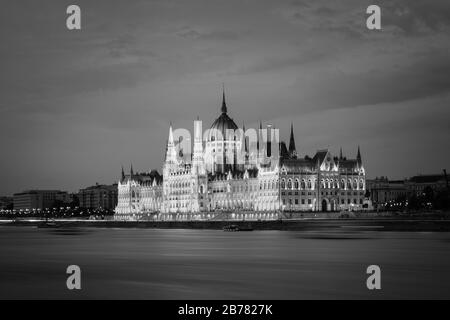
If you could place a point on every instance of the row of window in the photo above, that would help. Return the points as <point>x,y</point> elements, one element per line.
<point>324,184</point>
<point>323,193</point>
<point>309,201</point>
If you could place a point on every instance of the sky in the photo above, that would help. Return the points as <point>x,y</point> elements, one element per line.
<point>77,105</point>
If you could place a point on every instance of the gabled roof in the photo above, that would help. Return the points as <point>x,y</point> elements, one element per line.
<point>348,164</point>
<point>145,177</point>
<point>299,164</point>
<point>320,156</point>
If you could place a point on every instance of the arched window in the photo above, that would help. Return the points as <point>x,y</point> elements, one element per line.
<point>303,185</point>
<point>309,184</point>
<point>355,183</point>
<point>322,184</point>
<point>361,184</point>
<point>349,185</point>
<point>283,184</point>
<point>289,184</point>
<point>296,184</point>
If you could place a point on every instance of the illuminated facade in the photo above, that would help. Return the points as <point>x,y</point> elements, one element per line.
<point>240,174</point>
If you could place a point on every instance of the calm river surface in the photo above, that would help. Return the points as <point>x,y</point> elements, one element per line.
<point>211,264</point>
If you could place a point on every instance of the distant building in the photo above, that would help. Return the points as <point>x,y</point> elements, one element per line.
<point>416,185</point>
<point>382,191</point>
<point>6,202</point>
<point>99,196</point>
<point>39,199</point>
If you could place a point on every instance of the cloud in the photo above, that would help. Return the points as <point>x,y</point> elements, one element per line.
<point>271,63</point>
<point>411,18</point>
<point>416,18</point>
<point>216,35</point>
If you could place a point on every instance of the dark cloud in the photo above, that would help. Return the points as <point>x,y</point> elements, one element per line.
<point>75,105</point>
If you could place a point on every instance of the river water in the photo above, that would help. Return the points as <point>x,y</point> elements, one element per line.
<point>212,264</point>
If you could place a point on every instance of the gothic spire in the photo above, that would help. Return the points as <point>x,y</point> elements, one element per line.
<point>123,175</point>
<point>170,134</point>
<point>340,154</point>
<point>131,171</point>
<point>171,148</point>
<point>224,104</point>
<point>292,150</point>
<point>358,156</point>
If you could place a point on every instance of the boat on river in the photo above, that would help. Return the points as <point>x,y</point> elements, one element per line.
<point>234,227</point>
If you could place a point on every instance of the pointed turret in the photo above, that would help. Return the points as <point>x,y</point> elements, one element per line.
<point>245,139</point>
<point>170,134</point>
<point>171,154</point>
<point>131,171</point>
<point>259,135</point>
<point>292,149</point>
<point>340,154</point>
<point>123,175</point>
<point>358,157</point>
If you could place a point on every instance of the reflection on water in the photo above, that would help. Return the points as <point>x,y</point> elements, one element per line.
<point>211,264</point>
<point>67,231</point>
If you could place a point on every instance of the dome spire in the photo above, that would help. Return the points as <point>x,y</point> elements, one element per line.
<point>224,104</point>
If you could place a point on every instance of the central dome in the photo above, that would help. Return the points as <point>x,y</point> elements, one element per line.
<point>222,123</point>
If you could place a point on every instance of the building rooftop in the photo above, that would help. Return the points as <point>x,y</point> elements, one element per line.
<point>428,178</point>
<point>36,191</point>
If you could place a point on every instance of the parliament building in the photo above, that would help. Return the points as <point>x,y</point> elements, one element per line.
<point>240,174</point>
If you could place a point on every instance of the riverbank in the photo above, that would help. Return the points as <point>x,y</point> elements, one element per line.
<point>418,224</point>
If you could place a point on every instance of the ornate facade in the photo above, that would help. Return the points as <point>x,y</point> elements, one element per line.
<point>240,174</point>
